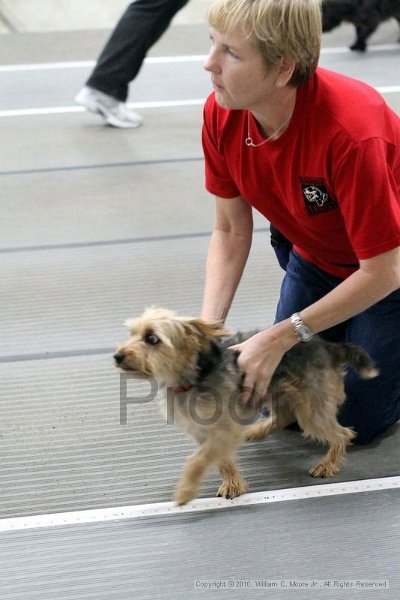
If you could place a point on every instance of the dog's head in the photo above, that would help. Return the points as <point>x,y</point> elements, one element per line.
<point>166,346</point>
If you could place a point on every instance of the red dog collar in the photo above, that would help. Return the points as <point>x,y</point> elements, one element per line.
<point>181,389</point>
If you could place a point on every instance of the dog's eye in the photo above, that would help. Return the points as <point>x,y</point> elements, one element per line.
<point>152,339</point>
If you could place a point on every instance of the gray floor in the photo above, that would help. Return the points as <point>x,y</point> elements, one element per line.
<point>335,539</point>
<point>96,224</point>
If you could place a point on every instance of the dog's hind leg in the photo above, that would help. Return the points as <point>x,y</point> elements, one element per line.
<point>338,438</point>
<point>316,408</point>
<point>233,483</point>
<point>319,422</point>
<point>278,420</point>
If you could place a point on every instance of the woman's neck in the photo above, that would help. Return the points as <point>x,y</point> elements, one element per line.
<point>275,117</point>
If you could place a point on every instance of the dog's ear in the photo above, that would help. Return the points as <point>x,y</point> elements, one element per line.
<point>208,329</point>
<point>131,324</point>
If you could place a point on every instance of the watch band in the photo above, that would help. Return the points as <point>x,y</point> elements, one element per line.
<point>302,331</point>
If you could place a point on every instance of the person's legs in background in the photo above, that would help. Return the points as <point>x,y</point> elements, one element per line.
<point>141,25</point>
<point>106,90</point>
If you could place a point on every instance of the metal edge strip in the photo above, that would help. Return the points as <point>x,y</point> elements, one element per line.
<point>196,506</point>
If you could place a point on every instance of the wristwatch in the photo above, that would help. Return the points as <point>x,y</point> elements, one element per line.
<point>303,332</point>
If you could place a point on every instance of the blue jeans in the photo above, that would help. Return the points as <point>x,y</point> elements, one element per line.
<point>372,405</point>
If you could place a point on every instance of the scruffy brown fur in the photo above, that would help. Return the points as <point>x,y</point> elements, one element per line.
<point>202,388</point>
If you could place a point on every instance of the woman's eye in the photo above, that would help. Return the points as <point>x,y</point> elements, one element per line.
<point>152,339</point>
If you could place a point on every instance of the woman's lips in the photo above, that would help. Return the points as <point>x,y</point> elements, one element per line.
<point>216,86</point>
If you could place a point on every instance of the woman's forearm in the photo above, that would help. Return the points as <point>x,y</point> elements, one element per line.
<point>261,354</point>
<point>227,256</point>
<point>376,279</point>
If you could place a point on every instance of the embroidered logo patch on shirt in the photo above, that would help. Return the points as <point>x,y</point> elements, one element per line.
<point>315,196</point>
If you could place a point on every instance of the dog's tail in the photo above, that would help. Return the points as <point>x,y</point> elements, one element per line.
<point>358,358</point>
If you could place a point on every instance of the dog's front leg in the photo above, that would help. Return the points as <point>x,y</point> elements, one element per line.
<point>364,30</point>
<point>233,483</point>
<point>192,474</point>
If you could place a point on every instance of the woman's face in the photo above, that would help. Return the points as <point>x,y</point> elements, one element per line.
<point>238,72</point>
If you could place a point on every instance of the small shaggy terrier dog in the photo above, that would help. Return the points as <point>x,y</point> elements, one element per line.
<point>365,15</point>
<point>202,388</point>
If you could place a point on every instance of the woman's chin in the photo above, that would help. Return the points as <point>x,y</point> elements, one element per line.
<point>225,101</point>
<point>221,100</point>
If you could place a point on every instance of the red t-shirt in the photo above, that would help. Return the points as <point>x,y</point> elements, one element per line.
<point>330,183</point>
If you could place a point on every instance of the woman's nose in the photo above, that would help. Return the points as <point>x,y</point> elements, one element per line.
<point>211,64</point>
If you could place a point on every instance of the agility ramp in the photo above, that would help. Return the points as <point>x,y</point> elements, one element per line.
<point>96,224</point>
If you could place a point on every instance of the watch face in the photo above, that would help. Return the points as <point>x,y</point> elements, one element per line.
<point>306,334</point>
<point>303,332</point>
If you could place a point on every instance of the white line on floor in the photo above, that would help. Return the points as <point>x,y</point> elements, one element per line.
<point>388,89</point>
<point>199,505</point>
<point>85,64</point>
<point>371,48</point>
<point>58,110</point>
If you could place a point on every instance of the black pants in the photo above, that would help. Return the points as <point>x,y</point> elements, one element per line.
<point>281,245</point>
<point>143,22</point>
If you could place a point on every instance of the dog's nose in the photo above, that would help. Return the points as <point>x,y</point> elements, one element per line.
<point>119,357</point>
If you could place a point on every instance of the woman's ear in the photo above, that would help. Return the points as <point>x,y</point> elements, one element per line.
<point>285,71</point>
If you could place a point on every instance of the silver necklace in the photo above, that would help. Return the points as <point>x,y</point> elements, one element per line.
<point>249,140</point>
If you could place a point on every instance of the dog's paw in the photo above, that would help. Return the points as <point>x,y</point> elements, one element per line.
<point>183,495</point>
<point>359,46</point>
<point>324,470</point>
<point>231,489</point>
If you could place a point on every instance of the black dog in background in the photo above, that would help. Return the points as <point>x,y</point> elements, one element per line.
<point>365,15</point>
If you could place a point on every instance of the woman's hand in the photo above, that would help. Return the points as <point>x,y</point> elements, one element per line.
<point>259,357</point>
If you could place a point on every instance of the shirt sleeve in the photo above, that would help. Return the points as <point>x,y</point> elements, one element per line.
<point>218,179</point>
<point>367,188</point>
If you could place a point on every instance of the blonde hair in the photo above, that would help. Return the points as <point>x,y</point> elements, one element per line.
<point>280,29</point>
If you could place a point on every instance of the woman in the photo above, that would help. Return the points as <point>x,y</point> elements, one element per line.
<point>318,154</point>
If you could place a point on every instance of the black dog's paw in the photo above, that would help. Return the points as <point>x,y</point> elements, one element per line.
<point>359,46</point>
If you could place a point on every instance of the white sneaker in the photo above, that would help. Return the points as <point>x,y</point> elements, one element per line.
<point>113,112</point>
